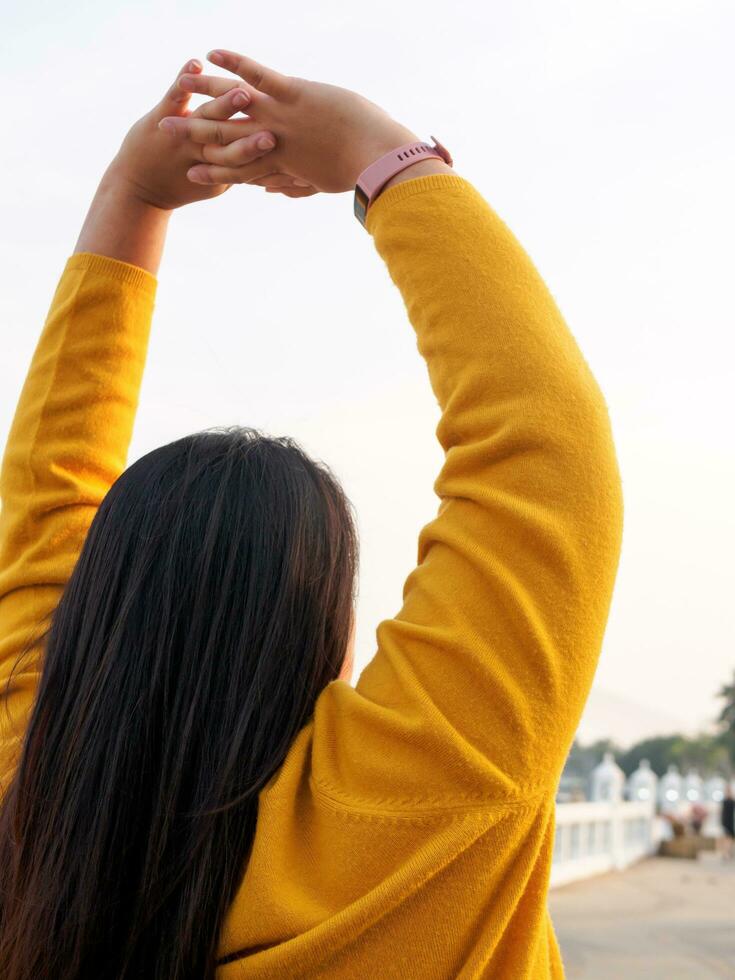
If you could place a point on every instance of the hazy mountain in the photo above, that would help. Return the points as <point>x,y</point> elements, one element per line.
<point>625,721</point>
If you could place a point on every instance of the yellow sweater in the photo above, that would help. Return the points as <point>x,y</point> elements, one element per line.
<point>409,832</point>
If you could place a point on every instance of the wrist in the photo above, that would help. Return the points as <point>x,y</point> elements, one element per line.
<point>377,143</point>
<point>421,168</point>
<point>118,185</point>
<point>122,225</point>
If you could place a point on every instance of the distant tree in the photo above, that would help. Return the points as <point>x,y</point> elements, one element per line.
<point>582,759</point>
<point>726,720</point>
<point>727,715</point>
<point>661,751</point>
<point>705,753</point>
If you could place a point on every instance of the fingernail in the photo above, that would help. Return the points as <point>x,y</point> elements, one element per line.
<point>298,182</point>
<point>167,126</point>
<point>194,176</point>
<point>265,143</point>
<point>216,58</point>
<point>194,65</point>
<point>187,83</point>
<point>240,97</point>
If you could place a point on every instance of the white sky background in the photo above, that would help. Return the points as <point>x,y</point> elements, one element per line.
<point>600,131</point>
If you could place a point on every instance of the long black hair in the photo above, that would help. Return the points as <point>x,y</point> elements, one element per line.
<point>210,605</point>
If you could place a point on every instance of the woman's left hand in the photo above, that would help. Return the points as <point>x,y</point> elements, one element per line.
<point>152,163</point>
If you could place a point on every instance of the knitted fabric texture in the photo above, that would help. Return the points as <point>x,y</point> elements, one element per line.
<point>409,833</point>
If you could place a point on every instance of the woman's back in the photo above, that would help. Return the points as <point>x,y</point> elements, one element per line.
<point>409,832</point>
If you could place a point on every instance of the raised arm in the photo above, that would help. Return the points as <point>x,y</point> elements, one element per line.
<point>486,668</point>
<point>479,681</point>
<point>67,444</point>
<point>70,434</point>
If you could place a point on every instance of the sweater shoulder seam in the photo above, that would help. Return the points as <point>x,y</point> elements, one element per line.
<point>425,808</point>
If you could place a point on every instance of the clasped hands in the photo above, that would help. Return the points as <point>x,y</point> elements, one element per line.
<point>291,136</point>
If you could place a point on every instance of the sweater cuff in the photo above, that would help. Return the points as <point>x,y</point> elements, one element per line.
<point>407,188</point>
<point>124,272</point>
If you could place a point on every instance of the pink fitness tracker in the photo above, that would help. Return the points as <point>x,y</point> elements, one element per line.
<point>376,176</point>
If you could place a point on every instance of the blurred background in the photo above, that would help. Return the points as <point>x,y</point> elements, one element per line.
<point>601,132</point>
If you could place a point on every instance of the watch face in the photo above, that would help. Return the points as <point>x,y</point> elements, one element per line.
<point>361,204</point>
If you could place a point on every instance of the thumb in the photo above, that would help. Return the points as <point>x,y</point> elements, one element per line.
<point>175,101</point>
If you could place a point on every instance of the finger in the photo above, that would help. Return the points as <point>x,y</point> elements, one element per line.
<point>201,130</point>
<point>215,174</point>
<point>235,100</point>
<point>292,191</point>
<point>176,95</point>
<point>279,180</point>
<point>266,80</point>
<point>214,85</point>
<point>241,151</point>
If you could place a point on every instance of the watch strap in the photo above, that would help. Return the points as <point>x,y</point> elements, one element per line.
<point>376,176</point>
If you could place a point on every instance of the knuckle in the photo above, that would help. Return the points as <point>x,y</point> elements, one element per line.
<point>247,151</point>
<point>258,75</point>
<point>293,93</point>
<point>265,143</point>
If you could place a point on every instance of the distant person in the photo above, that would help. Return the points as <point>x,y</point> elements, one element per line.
<point>192,787</point>
<point>697,817</point>
<point>727,819</point>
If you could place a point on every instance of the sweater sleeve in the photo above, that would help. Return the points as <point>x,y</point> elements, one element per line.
<point>479,681</point>
<point>67,444</point>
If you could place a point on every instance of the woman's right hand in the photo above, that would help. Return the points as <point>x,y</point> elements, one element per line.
<point>326,135</point>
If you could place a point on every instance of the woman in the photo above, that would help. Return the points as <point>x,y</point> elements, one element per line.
<point>727,820</point>
<point>194,678</point>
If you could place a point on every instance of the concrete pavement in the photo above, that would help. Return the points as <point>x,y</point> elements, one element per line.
<point>663,919</point>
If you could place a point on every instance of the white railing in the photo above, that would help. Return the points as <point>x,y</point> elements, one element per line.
<point>592,838</point>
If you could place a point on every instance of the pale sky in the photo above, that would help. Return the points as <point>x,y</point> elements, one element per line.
<point>601,132</point>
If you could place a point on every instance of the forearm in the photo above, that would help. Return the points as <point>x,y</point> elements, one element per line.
<point>121,226</point>
<point>69,437</point>
<point>483,316</point>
